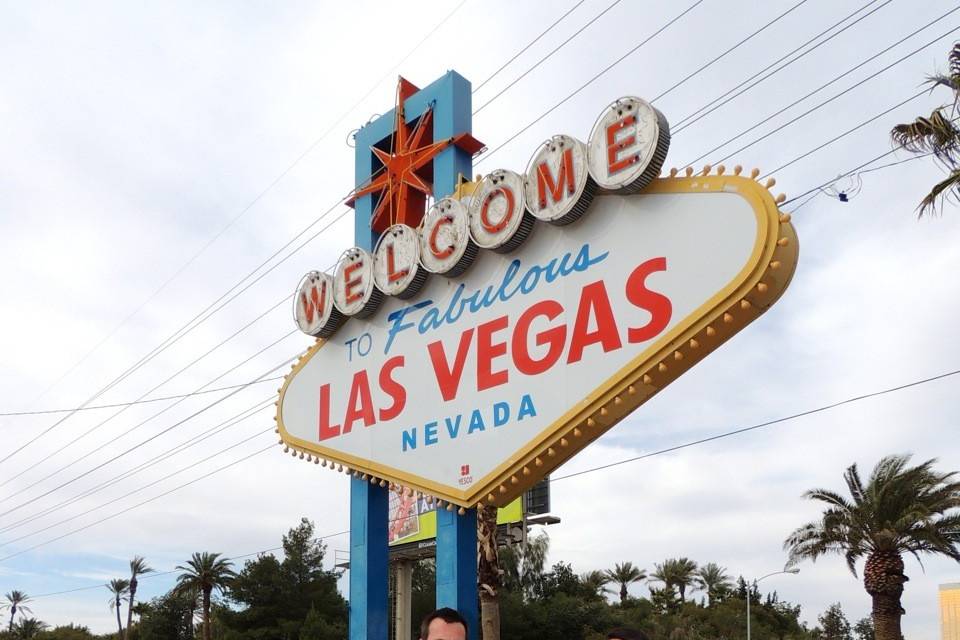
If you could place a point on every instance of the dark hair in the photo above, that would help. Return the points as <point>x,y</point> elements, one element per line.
<point>622,633</point>
<point>448,615</point>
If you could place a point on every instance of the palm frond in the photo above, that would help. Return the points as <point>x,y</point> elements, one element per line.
<point>939,192</point>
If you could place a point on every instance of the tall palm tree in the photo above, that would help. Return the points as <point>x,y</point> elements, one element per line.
<point>596,581</point>
<point>624,574</point>
<point>901,509</point>
<point>938,135</point>
<point>119,592</point>
<point>488,572</point>
<point>138,567</point>
<point>16,602</point>
<point>203,573</point>
<point>29,628</point>
<point>676,573</point>
<point>713,579</point>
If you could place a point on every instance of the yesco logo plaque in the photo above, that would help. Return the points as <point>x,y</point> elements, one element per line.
<point>518,324</point>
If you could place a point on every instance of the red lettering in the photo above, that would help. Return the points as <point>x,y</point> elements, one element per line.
<point>545,180</point>
<point>392,274</point>
<point>392,388</point>
<point>555,338</point>
<point>487,350</point>
<point>593,302</point>
<point>657,304</point>
<point>615,147</point>
<point>327,430</point>
<point>496,227</point>
<point>316,302</point>
<point>434,249</point>
<point>448,379</point>
<point>350,284</point>
<point>360,404</point>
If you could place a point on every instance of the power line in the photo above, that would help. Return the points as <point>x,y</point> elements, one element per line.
<point>719,101</point>
<point>528,45</point>
<point>830,82</point>
<point>816,192</point>
<point>727,434</point>
<point>132,402</point>
<point>141,397</point>
<point>845,133</point>
<point>825,102</point>
<point>547,57</point>
<point>761,425</point>
<point>140,444</point>
<point>486,155</point>
<point>139,489</point>
<point>730,50</point>
<point>232,421</point>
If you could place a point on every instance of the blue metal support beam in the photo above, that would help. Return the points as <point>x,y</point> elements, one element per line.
<point>457,565</point>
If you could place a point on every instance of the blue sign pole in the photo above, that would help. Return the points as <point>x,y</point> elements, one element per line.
<point>450,97</point>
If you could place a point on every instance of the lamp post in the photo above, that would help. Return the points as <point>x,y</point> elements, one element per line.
<point>793,571</point>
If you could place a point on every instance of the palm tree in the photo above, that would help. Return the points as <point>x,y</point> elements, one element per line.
<point>937,135</point>
<point>16,602</point>
<point>28,628</point>
<point>488,572</point>
<point>119,592</point>
<point>713,579</point>
<point>596,581</point>
<point>676,573</point>
<point>624,574</point>
<point>902,509</point>
<point>522,565</point>
<point>203,573</point>
<point>138,567</point>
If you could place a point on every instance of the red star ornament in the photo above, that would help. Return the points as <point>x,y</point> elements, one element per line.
<point>400,186</point>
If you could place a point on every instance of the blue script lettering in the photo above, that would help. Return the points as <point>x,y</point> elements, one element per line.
<point>509,286</point>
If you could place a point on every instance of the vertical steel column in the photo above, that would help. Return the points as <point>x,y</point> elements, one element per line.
<point>369,571</point>
<point>457,565</point>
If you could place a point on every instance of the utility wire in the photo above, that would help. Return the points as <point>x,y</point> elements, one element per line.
<point>828,100</point>
<point>845,133</point>
<point>144,395</point>
<point>486,155</point>
<point>686,445</point>
<point>745,86</point>
<point>132,402</point>
<point>548,56</point>
<point>234,420</point>
<point>139,489</point>
<point>140,444</point>
<point>528,45</point>
<point>761,425</point>
<point>709,64</point>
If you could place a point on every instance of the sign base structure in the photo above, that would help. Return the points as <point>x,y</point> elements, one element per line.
<point>478,386</point>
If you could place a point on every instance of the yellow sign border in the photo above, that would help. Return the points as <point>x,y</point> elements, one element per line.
<point>758,285</point>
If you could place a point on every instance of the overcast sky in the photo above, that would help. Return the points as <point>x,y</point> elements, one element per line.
<point>135,136</point>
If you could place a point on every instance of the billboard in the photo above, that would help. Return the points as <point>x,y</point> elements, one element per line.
<point>412,518</point>
<point>470,356</point>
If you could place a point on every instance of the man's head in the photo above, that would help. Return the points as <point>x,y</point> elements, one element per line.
<point>443,624</point>
<point>622,633</point>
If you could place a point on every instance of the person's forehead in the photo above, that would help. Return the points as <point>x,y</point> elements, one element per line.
<point>440,629</point>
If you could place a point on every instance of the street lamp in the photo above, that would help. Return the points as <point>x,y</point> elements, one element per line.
<point>792,570</point>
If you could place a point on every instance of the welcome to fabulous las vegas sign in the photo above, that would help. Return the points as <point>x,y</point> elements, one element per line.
<point>468,357</point>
